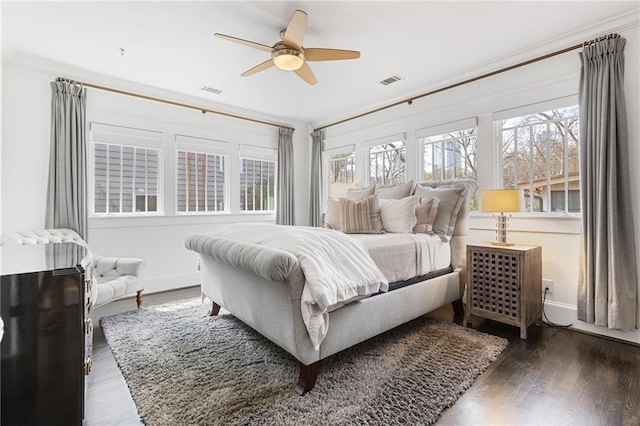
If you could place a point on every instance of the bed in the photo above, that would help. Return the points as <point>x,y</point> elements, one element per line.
<point>267,285</point>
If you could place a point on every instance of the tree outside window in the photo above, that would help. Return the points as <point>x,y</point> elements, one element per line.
<point>540,154</point>
<point>388,163</point>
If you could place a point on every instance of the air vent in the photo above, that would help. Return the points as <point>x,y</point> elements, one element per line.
<point>211,90</point>
<point>391,80</point>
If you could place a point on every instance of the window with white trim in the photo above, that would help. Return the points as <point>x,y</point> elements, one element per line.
<point>388,163</point>
<point>451,155</point>
<point>257,185</point>
<point>341,172</point>
<point>540,154</point>
<point>342,167</point>
<point>200,185</point>
<point>126,176</point>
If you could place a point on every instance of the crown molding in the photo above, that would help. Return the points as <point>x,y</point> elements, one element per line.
<point>617,24</point>
<point>52,68</point>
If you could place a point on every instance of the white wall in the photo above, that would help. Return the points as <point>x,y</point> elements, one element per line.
<point>160,239</point>
<point>552,78</point>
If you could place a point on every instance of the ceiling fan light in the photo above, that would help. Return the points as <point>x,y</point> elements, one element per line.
<point>288,59</point>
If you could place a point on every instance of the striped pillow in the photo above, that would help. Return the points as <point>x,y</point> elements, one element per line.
<point>360,217</point>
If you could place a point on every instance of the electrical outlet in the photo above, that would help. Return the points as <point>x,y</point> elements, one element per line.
<point>547,284</point>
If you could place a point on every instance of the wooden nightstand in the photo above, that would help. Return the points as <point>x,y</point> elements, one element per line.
<point>505,284</point>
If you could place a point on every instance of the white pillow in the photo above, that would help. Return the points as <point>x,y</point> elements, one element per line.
<point>332,215</point>
<point>398,215</point>
<point>354,194</point>
<point>396,191</point>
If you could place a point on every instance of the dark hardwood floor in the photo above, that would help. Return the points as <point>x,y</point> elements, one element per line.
<point>554,377</point>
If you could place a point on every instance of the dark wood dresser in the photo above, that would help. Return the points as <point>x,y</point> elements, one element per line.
<point>47,333</point>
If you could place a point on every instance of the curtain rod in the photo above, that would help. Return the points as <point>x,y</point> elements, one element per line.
<point>410,100</point>
<point>165,101</point>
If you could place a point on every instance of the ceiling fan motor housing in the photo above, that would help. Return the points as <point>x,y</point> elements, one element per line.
<point>287,58</point>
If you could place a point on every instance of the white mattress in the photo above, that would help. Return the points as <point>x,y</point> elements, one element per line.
<point>404,256</point>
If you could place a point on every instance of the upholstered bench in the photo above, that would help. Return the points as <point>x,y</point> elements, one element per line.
<point>115,277</point>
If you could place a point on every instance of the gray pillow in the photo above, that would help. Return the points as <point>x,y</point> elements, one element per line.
<point>360,194</point>
<point>451,200</point>
<point>426,211</point>
<point>401,190</point>
<point>360,217</point>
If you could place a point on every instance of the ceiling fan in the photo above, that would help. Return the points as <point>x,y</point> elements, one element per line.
<point>289,55</point>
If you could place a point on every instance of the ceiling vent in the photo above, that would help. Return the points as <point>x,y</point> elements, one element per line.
<point>211,90</point>
<point>391,80</point>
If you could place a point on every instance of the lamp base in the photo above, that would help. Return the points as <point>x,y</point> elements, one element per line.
<point>500,243</point>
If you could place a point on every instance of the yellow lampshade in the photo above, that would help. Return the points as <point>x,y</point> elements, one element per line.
<point>502,200</point>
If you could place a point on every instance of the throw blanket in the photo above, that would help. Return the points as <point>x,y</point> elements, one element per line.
<point>337,268</point>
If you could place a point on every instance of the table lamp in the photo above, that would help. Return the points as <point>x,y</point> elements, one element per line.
<point>501,201</point>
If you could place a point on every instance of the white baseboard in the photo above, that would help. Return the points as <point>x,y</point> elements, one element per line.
<point>171,282</point>
<point>561,313</point>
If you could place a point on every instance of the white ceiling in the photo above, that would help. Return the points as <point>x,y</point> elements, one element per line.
<point>170,45</point>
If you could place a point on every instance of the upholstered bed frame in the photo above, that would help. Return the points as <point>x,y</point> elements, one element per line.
<point>262,287</point>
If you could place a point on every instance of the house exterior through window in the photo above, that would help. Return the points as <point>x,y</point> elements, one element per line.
<point>127,167</point>
<point>200,184</point>
<point>539,154</point>
<point>257,185</point>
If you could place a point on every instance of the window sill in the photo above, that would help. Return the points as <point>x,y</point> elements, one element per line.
<point>546,223</point>
<point>531,216</point>
<point>103,222</point>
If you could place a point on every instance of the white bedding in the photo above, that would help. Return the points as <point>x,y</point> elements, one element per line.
<point>404,256</point>
<point>332,278</point>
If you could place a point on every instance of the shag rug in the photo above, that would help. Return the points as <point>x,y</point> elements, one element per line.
<point>185,368</point>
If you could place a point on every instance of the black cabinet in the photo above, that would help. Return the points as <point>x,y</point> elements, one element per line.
<point>47,333</point>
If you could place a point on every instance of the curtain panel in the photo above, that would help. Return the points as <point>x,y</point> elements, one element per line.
<point>608,281</point>
<point>284,209</point>
<point>315,191</point>
<point>67,189</point>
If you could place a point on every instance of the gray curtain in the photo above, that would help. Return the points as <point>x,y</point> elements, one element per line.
<point>67,191</point>
<point>315,192</point>
<point>284,210</point>
<point>608,281</point>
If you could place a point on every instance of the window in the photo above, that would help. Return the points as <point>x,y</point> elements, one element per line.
<point>388,163</point>
<point>451,155</point>
<point>342,170</point>
<point>200,182</point>
<point>126,170</point>
<point>342,167</point>
<point>257,185</point>
<point>540,155</point>
<point>125,179</point>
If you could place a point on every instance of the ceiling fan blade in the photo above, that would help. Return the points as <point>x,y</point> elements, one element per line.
<point>245,42</point>
<point>306,74</point>
<point>294,34</point>
<point>261,67</point>
<point>313,54</point>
